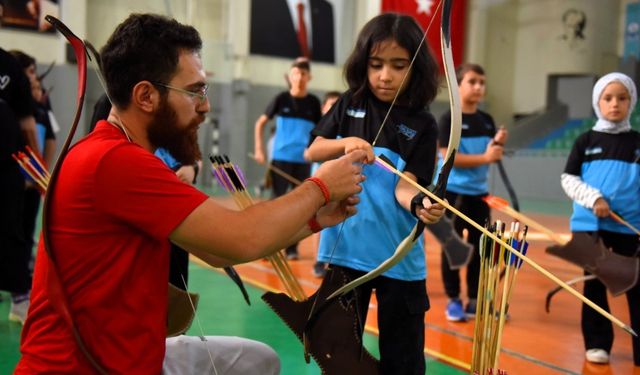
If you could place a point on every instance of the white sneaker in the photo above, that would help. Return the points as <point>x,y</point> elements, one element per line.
<point>18,312</point>
<point>597,356</point>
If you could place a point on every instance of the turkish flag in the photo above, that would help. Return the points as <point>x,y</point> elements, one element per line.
<point>424,11</point>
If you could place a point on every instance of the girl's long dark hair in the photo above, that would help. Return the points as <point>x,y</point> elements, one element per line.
<point>422,87</point>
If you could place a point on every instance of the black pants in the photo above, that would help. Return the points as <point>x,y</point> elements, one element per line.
<point>476,209</point>
<point>281,185</point>
<point>597,330</point>
<point>15,276</point>
<point>179,267</point>
<point>401,310</point>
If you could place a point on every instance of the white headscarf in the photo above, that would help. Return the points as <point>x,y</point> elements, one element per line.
<point>606,126</point>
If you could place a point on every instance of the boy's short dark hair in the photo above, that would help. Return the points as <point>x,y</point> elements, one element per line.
<point>144,47</point>
<point>462,69</point>
<point>301,63</point>
<point>331,94</point>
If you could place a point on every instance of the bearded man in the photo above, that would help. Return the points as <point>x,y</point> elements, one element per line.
<point>115,207</point>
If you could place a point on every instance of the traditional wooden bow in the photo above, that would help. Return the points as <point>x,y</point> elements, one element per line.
<point>508,186</point>
<point>57,295</point>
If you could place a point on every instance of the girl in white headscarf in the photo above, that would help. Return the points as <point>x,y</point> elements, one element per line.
<point>602,176</point>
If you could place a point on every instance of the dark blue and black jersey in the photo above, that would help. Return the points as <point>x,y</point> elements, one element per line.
<point>478,129</point>
<point>16,103</point>
<point>609,163</point>
<point>295,118</point>
<point>408,139</point>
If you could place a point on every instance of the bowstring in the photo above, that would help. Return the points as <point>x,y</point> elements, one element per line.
<point>202,336</point>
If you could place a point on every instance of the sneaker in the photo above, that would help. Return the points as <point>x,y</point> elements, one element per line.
<point>292,255</point>
<point>470,309</point>
<point>454,312</point>
<point>319,269</point>
<point>18,312</point>
<point>597,356</point>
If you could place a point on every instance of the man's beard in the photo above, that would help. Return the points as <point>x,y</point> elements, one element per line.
<point>164,132</point>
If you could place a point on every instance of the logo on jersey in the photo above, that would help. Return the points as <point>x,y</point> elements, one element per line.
<point>286,109</point>
<point>356,112</point>
<point>593,151</point>
<point>406,131</point>
<point>465,126</point>
<point>4,82</point>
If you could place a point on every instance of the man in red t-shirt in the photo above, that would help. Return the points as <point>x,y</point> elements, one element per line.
<point>115,205</point>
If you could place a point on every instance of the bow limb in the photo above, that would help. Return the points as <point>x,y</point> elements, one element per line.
<point>401,251</point>
<point>582,278</point>
<point>57,295</point>
<point>507,184</point>
<point>454,141</point>
<point>455,105</point>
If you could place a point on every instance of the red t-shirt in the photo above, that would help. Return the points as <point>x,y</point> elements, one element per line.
<point>114,206</point>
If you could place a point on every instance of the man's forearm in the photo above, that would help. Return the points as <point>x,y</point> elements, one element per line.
<point>258,230</point>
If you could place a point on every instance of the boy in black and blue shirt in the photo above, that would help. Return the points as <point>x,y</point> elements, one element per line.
<point>480,145</point>
<point>296,113</point>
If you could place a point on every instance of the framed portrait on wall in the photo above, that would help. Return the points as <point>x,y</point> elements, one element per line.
<point>293,28</point>
<point>28,14</point>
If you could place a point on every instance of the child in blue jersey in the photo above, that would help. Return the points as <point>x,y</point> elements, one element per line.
<point>603,176</point>
<point>375,72</point>
<point>296,112</point>
<point>480,145</point>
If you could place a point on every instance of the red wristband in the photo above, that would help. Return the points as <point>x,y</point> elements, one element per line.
<point>314,225</point>
<point>323,188</point>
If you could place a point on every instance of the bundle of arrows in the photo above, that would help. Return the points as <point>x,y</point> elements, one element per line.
<point>34,167</point>
<point>230,177</point>
<point>498,271</point>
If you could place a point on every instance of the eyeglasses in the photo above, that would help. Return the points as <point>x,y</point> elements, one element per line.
<point>200,93</point>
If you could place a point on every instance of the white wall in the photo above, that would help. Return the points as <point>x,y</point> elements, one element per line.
<point>542,51</point>
<point>519,43</point>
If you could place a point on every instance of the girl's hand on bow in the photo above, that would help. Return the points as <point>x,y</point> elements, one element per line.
<point>430,213</point>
